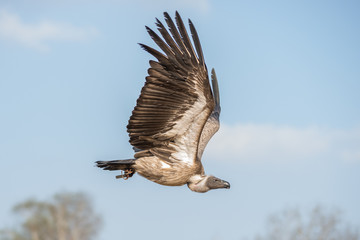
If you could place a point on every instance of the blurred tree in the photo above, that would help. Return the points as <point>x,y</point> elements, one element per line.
<point>318,225</point>
<point>68,216</point>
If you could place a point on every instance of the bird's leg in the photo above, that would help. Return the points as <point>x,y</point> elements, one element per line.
<point>126,174</point>
<point>129,173</point>
<point>120,176</point>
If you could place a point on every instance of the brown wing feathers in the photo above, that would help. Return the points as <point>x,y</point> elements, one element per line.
<point>176,35</point>
<point>197,43</point>
<point>185,39</point>
<point>171,88</point>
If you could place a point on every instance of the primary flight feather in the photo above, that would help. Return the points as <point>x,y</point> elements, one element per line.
<point>176,113</point>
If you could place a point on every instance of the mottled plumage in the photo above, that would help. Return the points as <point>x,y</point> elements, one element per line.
<point>176,113</point>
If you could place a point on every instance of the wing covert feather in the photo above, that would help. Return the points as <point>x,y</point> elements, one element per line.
<point>212,124</point>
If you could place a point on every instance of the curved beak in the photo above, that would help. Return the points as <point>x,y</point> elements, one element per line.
<point>226,184</point>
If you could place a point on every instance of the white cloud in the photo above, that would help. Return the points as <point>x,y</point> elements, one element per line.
<point>38,35</point>
<point>268,143</point>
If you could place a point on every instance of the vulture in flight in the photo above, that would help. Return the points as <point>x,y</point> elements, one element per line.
<point>176,113</point>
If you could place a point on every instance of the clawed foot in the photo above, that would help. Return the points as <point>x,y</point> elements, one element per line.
<point>127,174</point>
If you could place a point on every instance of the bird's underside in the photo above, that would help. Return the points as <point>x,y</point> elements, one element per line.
<point>176,113</point>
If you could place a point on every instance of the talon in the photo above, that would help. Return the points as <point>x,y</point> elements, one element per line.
<point>129,172</point>
<point>120,176</point>
<point>126,174</point>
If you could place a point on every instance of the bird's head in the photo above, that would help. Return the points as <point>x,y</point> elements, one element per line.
<point>204,183</point>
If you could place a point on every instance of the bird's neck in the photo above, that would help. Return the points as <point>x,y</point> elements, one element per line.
<point>197,183</point>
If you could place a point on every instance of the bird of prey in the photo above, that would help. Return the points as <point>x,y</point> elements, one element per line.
<point>176,113</point>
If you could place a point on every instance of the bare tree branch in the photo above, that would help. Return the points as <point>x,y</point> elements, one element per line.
<point>68,216</point>
<point>319,224</point>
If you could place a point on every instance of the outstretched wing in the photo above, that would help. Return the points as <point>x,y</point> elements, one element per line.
<point>176,100</point>
<point>212,125</point>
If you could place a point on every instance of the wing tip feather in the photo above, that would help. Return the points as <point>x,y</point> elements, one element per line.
<point>215,88</point>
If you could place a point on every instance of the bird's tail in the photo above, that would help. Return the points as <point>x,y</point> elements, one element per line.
<point>116,164</point>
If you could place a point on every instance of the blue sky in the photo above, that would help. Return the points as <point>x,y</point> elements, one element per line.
<point>289,75</point>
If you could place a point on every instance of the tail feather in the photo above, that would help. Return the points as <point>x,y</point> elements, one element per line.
<point>116,164</point>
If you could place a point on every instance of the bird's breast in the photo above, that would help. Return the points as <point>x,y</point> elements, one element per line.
<point>165,172</point>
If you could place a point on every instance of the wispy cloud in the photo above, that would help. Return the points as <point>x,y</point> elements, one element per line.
<point>38,35</point>
<point>268,143</point>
